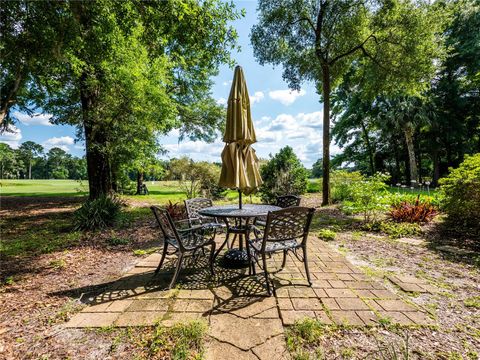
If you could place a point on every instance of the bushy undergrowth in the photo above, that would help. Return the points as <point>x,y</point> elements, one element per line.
<point>98,214</point>
<point>368,197</point>
<point>460,193</point>
<point>420,211</point>
<point>175,210</point>
<point>341,182</point>
<point>394,230</point>
<point>327,235</point>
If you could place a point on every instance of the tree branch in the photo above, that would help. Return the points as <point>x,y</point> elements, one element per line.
<point>353,49</point>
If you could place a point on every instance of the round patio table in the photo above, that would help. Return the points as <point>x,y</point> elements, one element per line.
<point>241,226</point>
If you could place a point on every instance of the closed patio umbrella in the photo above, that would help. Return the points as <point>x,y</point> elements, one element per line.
<point>239,161</point>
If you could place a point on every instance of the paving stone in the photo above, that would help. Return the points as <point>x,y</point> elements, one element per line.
<point>360,285</point>
<point>285,304</point>
<point>320,293</point>
<point>139,318</point>
<point>368,317</point>
<point>419,318</point>
<point>301,292</point>
<point>429,288</point>
<point>101,307</point>
<point>307,304</point>
<point>411,287</point>
<point>365,294</point>
<point>192,305</point>
<point>346,277</point>
<point>290,316</point>
<point>341,317</point>
<point>216,350</point>
<point>255,307</point>
<point>156,294</point>
<point>268,314</point>
<point>325,276</point>
<point>384,294</point>
<point>150,305</point>
<point>351,304</point>
<point>339,293</point>
<point>92,320</point>
<point>243,333</point>
<point>406,279</point>
<point>323,317</point>
<point>173,318</point>
<point>396,317</point>
<point>273,349</point>
<point>320,284</point>
<point>338,284</point>
<point>395,305</point>
<point>330,303</point>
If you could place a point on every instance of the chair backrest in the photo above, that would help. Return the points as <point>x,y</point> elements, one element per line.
<point>193,206</point>
<point>291,223</point>
<point>166,224</point>
<point>286,201</point>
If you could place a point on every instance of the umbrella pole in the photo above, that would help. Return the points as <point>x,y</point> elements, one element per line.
<point>239,199</point>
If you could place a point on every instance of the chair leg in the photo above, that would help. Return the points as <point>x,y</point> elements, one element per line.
<point>264,258</point>
<point>305,261</point>
<point>212,259</point>
<point>162,259</point>
<point>284,259</point>
<point>221,247</point>
<point>251,267</point>
<point>177,270</point>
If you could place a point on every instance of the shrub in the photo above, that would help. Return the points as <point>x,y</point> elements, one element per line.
<point>460,193</point>
<point>327,235</point>
<point>283,174</point>
<point>418,212</point>
<point>341,182</point>
<point>368,197</point>
<point>313,186</point>
<point>393,229</point>
<point>196,177</point>
<point>175,210</point>
<point>98,214</point>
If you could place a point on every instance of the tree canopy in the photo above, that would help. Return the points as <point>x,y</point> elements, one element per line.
<point>319,41</point>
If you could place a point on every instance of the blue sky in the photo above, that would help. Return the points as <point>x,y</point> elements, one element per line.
<point>281,117</point>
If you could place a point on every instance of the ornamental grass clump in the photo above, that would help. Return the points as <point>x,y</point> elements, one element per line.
<point>98,214</point>
<point>418,212</point>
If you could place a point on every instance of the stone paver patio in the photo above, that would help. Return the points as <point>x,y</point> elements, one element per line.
<point>243,322</point>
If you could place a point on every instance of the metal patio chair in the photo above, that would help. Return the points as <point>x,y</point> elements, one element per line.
<point>285,230</point>
<point>283,201</point>
<point>182,241</point>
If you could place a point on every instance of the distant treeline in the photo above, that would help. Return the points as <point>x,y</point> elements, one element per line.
<point>30,161</point>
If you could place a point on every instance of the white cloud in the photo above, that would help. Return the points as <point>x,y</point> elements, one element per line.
<point>286,97</point>
<point>36,119</point>
<point>11,137</point>
<point>257,97</point>
<point>226,83</point>
<point>197,150</point>
<point>62,142</point>
<point>222,101</point>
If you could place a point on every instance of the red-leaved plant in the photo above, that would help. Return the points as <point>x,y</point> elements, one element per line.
<point>419,212</point>
<point>175,210</point>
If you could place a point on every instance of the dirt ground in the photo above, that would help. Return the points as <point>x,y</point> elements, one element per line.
<point>39,289</point>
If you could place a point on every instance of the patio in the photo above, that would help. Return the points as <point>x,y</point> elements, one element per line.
<point>242,320</point>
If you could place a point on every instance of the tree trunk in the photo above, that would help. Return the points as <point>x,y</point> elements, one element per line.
<point>326,135</point>
<point>436,168</point>
<point>30,169</point>
<point>408,131</point>
<point>9,100</point>
<point>98,167</point>
<point>369,148</point>
<point>139,182</point>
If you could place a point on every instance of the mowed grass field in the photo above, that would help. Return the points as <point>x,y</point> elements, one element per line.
<point>160,191</point>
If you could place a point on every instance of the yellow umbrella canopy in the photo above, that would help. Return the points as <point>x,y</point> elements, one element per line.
<point>239,161</point>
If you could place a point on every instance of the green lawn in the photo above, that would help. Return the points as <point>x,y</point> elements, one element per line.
<point>43,188</point>
<point>160,191</point>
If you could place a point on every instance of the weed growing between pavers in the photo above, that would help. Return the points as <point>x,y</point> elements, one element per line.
<point>182,341</point>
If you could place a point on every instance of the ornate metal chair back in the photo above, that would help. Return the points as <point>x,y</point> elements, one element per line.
<point>291,223</point>
<point>167,226</point>
<point>285,201</point>
<point>193,206</point>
